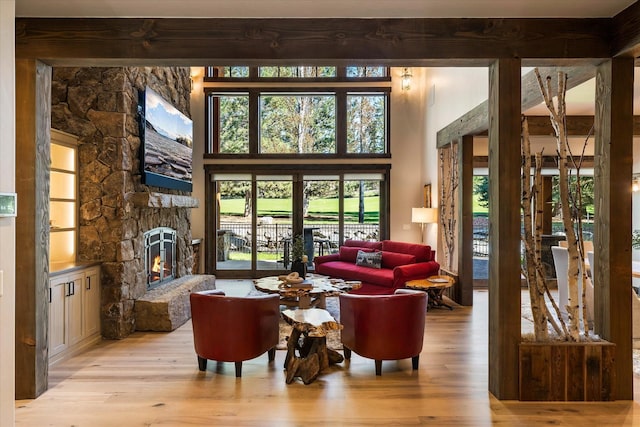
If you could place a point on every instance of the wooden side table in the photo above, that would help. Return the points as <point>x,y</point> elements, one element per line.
<point>309,338</point>
<point>434,286</point>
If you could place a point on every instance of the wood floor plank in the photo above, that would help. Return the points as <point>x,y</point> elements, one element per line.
<point>152,379</point>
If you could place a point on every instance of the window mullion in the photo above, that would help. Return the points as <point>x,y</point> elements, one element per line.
<point>341,122</point>
<point>254,121</point>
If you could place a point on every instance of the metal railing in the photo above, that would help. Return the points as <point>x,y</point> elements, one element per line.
<point>275,238</point>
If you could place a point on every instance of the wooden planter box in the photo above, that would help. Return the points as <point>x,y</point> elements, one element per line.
<point>562,371</point>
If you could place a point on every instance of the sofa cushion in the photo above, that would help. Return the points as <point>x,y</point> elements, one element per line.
<point>421,252</point>
<point>364,244</point>
<point>350,254</point>
<point>369,259</point>
<point>395,259</point>
<point>350,271</point>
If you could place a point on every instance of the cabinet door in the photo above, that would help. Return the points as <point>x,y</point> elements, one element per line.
<point>57,315</point>
<point>91,303</point>
<point>74,308</point>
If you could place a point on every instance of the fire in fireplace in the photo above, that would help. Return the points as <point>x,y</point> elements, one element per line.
<point>160,255</point>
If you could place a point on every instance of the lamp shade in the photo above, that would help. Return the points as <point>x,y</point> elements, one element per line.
<point>424,215</point>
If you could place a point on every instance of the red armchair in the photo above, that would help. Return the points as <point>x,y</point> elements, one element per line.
<point>384,327</point>
<point>233,329</point>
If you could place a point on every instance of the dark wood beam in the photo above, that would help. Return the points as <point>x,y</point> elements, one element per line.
<point>576,125</point>
<point>33,124</point>
<point>612,201</point>
<point>548,162</point>
<point>626,32</point>
<point>464,291</point>
<point>408,41</point>
<point>476,120</point>
<point>504,198</point>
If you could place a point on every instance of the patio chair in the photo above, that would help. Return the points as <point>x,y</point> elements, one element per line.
<point>384,327</point>
<point>233,329</point>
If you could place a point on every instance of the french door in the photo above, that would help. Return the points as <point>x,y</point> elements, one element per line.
<point>252,217</point>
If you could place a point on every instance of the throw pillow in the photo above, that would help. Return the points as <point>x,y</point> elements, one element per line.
<point>369,259</point>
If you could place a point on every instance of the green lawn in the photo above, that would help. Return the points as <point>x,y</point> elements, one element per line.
<point>318,208</point>
<point>477,209</point>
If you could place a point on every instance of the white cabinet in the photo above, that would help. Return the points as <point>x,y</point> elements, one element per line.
<point>91,300</point>
<point>74,311</point>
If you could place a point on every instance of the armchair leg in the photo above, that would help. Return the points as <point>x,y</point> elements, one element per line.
<point>202,363</point>
<point>347,353</point>
<point>378,367</point>
<point>238,369</point>
<point>414,362</point>
<point>272,354</point>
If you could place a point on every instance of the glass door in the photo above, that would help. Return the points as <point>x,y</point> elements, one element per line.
<point>321,215</point>
<point>274,208</point>
<point>258,214</point>
<point>234,225</point>
<point>362,206</point>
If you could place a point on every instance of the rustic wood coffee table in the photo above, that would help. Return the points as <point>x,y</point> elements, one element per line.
<point>321,287</point>
<point>434,286</point>
<point>309,337</point>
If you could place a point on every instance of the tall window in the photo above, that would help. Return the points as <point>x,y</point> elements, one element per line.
<point>366,118</point>
<point>297,123</point>
<point>231,125</point>
<point>311,115</point>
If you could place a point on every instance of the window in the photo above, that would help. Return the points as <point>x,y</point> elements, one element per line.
<point>231,124</point>
<point>366,119</point>
<point>366,72</point>
<point>310,115</point>
<point>297,123</point>
<point>296,72</point>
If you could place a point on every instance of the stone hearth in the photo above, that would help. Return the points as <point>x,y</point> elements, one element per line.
<point>167,307</point>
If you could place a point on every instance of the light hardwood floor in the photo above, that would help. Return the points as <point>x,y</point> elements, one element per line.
<point>152,379</point>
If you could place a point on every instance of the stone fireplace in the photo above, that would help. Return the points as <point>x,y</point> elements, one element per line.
<point>100,107</point>
<point>159,255</point>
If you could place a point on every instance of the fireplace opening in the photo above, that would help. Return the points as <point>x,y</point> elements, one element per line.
<point>160,255</point>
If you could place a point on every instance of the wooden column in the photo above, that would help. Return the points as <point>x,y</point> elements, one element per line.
<point>33,123</point>
<point>504,235</point>
<point>613,169</point>
<point>464,292</point>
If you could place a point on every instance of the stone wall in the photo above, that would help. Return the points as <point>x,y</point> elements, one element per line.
<point>99,106</point>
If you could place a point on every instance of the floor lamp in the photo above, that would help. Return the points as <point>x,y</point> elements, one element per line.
<point>424,216</point>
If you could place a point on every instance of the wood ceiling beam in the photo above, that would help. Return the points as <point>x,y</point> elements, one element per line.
<point>576,126</point>
<point>548,162</point>
<point>407,41</point>
<point>626,31</point>
<point>477,119</point>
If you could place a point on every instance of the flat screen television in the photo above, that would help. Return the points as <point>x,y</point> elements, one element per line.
<point>166,137</point>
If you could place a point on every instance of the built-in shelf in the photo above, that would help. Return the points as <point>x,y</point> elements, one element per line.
<point>63,198</point>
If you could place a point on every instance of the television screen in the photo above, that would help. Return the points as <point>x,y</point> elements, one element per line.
<point>167,139</point>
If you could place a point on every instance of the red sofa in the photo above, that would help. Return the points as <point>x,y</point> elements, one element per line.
<point>401,262</point>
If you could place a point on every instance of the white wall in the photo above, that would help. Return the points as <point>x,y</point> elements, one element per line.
<point>197,115</point>
<point>408,167</point>
<point>451,92</point>
<point>7,225</point>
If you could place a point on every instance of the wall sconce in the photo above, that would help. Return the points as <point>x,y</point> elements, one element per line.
<point>424,216</point>
<point>195,77</point>
<point>635,183</point>
<point>406,78</point>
